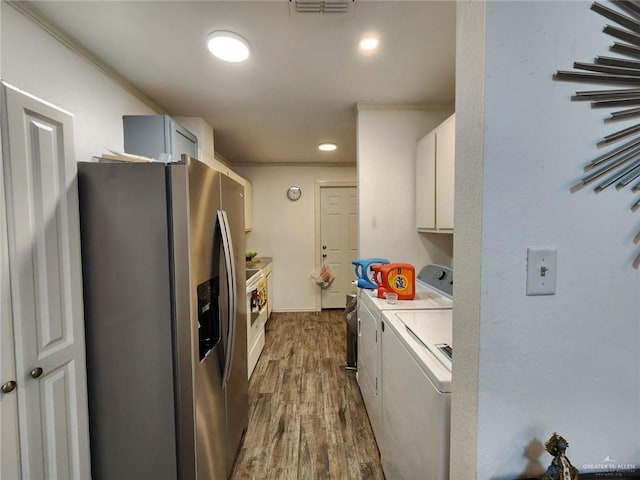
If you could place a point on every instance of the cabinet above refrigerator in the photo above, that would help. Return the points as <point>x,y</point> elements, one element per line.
<point>159,137</point>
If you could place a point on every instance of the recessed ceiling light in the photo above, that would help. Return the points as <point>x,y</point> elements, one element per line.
<point>228,46</point>
<point>327,147</point>
<point>368,44</point>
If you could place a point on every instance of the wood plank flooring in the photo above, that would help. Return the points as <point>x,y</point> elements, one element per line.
<point>306,417</point>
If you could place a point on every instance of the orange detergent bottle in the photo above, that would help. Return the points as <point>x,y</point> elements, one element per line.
<point>399,278</point>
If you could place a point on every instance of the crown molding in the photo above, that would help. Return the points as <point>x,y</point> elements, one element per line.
<point>293,164</point>
<point>424,107</point>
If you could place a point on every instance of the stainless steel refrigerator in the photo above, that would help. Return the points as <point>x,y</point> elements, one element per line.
<point>163,276</point>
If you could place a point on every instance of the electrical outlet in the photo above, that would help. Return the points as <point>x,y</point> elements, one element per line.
<point>542,266</point>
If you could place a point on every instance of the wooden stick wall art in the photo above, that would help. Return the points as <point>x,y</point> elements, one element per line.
<point>620,165</point>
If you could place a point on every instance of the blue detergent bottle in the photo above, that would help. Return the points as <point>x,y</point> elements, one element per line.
<point>364,272</point>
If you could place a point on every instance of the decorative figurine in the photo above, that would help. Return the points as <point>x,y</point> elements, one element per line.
<point>560,468</point>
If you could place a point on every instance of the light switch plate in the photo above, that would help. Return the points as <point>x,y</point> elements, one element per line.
<point>542,266</point>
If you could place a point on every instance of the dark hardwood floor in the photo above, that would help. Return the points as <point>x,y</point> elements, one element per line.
<point>306,416</point>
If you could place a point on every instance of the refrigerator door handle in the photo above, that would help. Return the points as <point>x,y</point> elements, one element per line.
<point>231,282</point>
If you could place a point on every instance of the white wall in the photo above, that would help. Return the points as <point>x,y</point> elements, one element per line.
<point>35,62</point>
<point>569,362</point>
<point>285,230</point>
<point>467,241</point>
<point>386,187</point>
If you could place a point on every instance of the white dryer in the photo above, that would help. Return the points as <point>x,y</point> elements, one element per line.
<point>434,287</point>
<point>416,362</point>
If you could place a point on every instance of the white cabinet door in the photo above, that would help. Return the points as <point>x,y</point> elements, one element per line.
<point>248,206</point>
<point>248,194</point>
<point>426,182</point>
<point>9,439</point>
<point>435,175</point>
<point>368,364</point>
<point>445,173</point>
<point>46,288</point>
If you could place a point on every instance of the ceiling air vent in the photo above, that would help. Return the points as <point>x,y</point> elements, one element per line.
<point>320,6</point>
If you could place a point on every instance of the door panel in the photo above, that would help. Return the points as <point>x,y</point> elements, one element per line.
<point>46,284</point>
<point>52,331</point>
<point>55,388</point>
<point>339,238</point>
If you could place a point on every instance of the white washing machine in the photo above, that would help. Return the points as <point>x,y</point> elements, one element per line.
<point>416,362</point>
<point>434,287</point>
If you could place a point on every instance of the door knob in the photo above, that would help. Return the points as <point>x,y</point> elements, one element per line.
<point>324,247</point>
<point>9,387</point>
<point>36,372</point>
<point>324,255</point>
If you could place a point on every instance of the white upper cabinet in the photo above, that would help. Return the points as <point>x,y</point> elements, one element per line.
<point>248,199</point>
<point>435,174</point>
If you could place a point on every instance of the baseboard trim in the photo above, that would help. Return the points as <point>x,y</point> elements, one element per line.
<point>294,310</point>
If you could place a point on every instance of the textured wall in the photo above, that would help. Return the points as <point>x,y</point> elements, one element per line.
<point>568,362</point>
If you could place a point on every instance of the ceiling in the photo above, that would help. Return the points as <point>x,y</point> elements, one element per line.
<point>302,81</point>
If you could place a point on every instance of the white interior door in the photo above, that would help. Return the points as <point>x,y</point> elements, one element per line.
<point>46,288</point>
<point>9,439</point>
<point>339,240</point>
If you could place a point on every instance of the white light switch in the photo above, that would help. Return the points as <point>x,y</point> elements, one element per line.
<point>542,265</point>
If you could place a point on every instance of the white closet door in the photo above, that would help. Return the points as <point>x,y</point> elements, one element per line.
<point>46,288</point>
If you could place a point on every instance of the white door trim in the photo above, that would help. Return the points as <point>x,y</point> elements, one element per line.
<point>10,440</point>
<point>318,264</point>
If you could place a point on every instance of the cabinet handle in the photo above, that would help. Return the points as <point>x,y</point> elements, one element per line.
<point>9,387</point>
<point>359,327</point>
<point>324,255</point>
<point>383,326</point>
<point>36,372</point>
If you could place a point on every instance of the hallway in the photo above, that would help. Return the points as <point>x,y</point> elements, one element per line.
<point>306,416</point>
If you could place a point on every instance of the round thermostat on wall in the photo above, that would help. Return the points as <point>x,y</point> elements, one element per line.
<point>294,193</point>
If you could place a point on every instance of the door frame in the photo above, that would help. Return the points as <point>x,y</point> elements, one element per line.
<point>10,444</point>
<point>320,184</point>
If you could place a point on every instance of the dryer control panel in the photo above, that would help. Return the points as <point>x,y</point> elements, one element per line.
<point>438,277</point>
